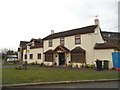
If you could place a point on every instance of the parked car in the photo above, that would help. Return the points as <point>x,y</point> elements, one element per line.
<point>12,58</point>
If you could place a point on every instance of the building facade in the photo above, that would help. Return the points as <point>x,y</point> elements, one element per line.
<point>74,47</point>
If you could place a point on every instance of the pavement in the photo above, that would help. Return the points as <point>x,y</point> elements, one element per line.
<point>59,82</point>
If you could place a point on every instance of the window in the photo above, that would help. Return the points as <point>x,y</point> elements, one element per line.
<point>25,56</point>
<point>31,56</point>
<point>78,58</point>
<point>39,56</point>
<point>50,43</point>
<point>62,41</point>
<point>77,39</point>
<point>49,57</point>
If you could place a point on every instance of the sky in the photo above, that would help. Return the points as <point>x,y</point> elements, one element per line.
<point>21,20</point>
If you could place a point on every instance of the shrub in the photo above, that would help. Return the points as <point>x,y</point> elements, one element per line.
<point>90,66</point>
<point>77,66</point>
<point>70,65</point>
<point>113,68</point>
<point>82,66</point>
<point>32,63</point>
<point>55,63</point>
<point>87,66</point>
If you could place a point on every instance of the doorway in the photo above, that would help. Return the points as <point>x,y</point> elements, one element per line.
<point>61,58</point>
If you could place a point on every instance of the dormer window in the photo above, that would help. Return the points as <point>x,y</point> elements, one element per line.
<point>50,43</point>
<point>77,39</point>
<point>62,42</point>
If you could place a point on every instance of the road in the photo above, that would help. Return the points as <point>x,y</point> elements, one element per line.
<point>110,84</point>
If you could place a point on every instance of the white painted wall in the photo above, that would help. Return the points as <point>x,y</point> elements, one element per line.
<point>19,55</point>
<point>97,36</point>
<point>87,43</point>
<point>104,54</point>
<point>34,52</point>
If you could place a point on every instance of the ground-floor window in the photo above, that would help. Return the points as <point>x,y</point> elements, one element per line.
<point>39,56</point>
<point>80,58</point>
<point>49,57</point>
<point>31,56</point>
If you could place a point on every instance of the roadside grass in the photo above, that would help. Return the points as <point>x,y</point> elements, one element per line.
<point>46,74</point>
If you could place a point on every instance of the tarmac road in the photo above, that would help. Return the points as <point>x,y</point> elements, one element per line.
<point>108,84</point>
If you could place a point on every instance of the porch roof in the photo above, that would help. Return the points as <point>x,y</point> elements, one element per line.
<point>50,51</point>
<point>77,50</point>
<point>60,47</point>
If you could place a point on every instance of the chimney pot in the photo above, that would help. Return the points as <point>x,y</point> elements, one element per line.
<point>97,22</point>
<point>52,31</point>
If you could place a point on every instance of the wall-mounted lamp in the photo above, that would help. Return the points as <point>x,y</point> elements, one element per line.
<point>56,55</point>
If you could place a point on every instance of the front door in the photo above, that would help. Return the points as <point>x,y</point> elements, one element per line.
<point>61,58</point>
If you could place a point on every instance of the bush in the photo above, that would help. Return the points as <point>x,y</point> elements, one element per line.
<point>77,66</point>
<point>70,65</point>
<point>82,66</point>
<point>42,64</point>
<point>90,66</point>
<point>32,63</point>
<point>113,68</point>
<point>55,64</point>
<point>87,66</point>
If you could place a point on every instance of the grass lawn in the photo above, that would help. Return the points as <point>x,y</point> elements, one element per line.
<point>45,74</point>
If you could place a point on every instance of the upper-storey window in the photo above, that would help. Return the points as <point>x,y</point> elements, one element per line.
<point>62,41</point>
<point>50,43</point>
<point>77,39</point>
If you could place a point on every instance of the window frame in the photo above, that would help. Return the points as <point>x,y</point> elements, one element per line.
<point>50,43</point>
<point>62,41</point>
<point>49,57</point>
<point>39,57</point>
<point>31,56</point>
<point>78,57</point>
<point>77,37</point>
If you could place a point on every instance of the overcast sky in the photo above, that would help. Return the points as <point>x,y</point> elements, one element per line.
<point>21,20</point>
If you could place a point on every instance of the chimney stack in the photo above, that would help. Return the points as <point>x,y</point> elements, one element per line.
<point>52,31</point>
<point>97,22</point>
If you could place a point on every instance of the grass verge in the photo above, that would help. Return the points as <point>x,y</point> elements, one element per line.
<point>46,74</point>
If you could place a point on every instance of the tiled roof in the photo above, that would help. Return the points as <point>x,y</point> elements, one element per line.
<point>112,37</point>
<point>37,45</point>
<point>23,43</point>
<point>36,40</point>
<point>77,50</point>
<point>50,51</point>
<point>83,30</point>
<point>105,46</point>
